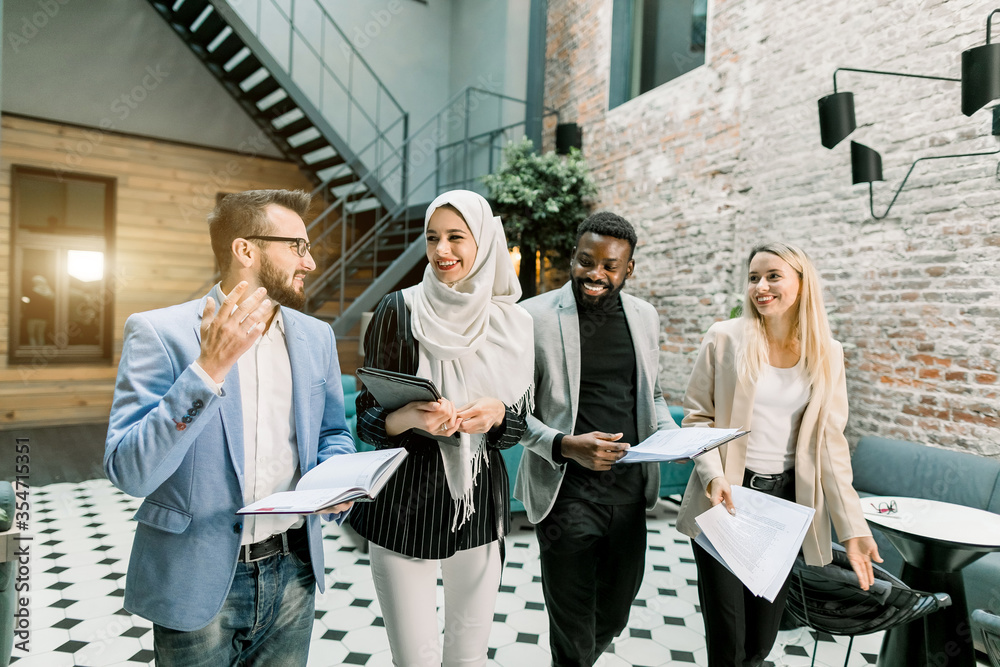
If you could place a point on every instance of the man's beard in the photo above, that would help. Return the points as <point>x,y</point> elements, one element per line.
<point>606,300</point>
<point>278,289</point>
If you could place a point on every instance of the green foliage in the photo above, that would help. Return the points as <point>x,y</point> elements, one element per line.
<point>541,198</point>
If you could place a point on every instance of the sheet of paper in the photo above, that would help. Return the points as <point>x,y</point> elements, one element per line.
<point>677,444</point>
<point>760,543</point>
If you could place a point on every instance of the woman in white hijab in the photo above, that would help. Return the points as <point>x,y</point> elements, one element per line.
<point>447,506</point>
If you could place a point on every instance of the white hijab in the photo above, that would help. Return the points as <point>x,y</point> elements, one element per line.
<point>474,340</point>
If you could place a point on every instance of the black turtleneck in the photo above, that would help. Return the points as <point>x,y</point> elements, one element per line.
<point>607,403</point>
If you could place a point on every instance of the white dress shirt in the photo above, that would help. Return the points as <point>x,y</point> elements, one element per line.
<point>270,450</point>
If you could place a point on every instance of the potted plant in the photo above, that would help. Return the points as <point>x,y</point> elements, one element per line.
<point>541,200</point>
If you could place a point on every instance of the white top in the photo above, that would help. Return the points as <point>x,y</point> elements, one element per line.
<point>778,405</point>
<point>936,520</point>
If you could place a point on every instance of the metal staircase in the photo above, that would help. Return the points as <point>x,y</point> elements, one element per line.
<point>333,125</point>
<point>295,72</point>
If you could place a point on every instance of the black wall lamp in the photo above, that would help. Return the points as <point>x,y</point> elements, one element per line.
<point>980,86</point>
<point>981,73</point>
<point>568,135</point>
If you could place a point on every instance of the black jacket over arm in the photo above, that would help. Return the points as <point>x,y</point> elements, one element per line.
<point>413,513</point>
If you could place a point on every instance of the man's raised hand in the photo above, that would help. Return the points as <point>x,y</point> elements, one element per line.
<point>231,330</point>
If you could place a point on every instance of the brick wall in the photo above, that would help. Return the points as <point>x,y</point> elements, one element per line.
<point>729,155</point>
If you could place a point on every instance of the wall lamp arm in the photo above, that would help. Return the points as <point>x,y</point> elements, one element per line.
<point>871,194</point>
<point>885,73</point>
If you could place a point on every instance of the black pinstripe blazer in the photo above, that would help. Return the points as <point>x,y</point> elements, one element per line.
<point>413,513</point>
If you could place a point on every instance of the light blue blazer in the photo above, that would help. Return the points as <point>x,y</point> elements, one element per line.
<point>190,472</point>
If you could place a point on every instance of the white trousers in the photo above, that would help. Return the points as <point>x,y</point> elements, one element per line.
<point>407,594</point>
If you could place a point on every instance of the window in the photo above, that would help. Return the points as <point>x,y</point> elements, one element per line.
<point>61,292</point>
<point>652,42</point>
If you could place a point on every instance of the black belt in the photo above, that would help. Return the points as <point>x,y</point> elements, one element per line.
<point>282,543</point>
<point>760,482</point>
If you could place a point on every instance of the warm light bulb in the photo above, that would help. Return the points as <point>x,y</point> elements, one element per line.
<point>85,265</point>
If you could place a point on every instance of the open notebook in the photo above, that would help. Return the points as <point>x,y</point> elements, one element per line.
<point>358,476</point>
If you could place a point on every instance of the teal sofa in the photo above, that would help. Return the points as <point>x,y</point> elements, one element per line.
<point>350,385</point>
<point>673,476</point>
<point>884,467</point>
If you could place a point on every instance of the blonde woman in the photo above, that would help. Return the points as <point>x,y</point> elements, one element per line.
<point>777,371</point>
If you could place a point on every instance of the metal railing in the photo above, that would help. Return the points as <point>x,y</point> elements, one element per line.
<point>453,149</point>
<point>322,61</point>
<point>316,63</point>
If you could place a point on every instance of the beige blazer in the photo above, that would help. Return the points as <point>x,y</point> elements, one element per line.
<point>557,393</point>
<point>823,474</point>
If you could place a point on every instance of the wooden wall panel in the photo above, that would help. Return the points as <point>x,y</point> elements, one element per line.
<point>163,256</point>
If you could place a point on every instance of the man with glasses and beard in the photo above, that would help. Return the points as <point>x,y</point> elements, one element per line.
<point>220,402</point>
<point>596,393</point>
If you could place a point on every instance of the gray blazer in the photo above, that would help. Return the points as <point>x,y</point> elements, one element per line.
<point>557,393</point>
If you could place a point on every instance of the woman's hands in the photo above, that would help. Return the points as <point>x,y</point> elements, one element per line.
<point>861,551</point>
<point>481,415</point>
<point>441,417</point>
<point>432,416</point>
<point>719,490</point>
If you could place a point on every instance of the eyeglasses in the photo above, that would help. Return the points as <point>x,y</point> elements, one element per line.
<point>301,245</point>
<point>885,508</point>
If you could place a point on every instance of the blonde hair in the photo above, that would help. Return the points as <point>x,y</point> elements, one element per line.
<point>811,327</point>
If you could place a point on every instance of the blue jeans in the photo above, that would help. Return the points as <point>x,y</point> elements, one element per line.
<point>266,620</point>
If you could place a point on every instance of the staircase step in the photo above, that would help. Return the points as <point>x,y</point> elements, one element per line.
<point>280,108</point>
<point>229,47</point>
<point>310,146</point>
<point>209,29</point>
<point>189,11</point>
<point>340,181</point>
<point>245,68</point>
<point>357,196</point>
<point>294,127</point>
<point>327,163</point>
<point>263,89</point>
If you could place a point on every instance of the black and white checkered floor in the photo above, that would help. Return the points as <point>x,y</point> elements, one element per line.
<point>82,539</point>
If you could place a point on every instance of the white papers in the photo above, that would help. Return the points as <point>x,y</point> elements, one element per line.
<point>680,444</point>
<point>760,543</point>
<point>338,479</point>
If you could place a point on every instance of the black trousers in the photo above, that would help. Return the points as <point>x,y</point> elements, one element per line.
<point>740,628</point>
<point>592,559</point>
